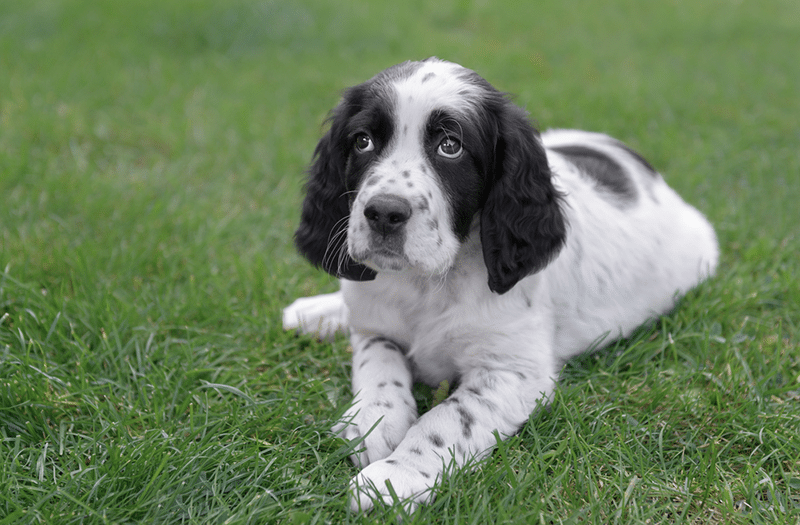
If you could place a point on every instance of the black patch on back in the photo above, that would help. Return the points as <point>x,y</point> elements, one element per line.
<point>608,174</point>
<point>641,160</point>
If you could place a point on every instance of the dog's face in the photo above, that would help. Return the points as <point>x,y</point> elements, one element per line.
<point>411,158</point>
<point>417,167</point>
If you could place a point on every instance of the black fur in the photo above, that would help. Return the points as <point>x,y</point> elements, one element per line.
<point>466,180</point>
<point>522,224</point>
<point>606,172</point>
<point>321,236</point>
<point>641,160</point>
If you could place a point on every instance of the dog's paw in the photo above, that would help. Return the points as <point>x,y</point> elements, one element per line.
<point>382,424</point>
<point>323,315</point>
<point>411,485</point>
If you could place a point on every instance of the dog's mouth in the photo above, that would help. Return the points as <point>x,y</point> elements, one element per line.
<point>383,259</point>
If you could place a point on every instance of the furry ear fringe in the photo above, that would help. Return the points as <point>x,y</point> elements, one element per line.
<point>523,226</point>
<point>322,234</point>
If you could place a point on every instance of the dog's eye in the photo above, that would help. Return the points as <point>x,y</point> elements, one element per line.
<point>450,148</point>
<point>364,143</point>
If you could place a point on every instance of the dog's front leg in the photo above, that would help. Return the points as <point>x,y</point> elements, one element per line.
<point>324,315</point>
<point>488,401</point>
<point>383,407</point>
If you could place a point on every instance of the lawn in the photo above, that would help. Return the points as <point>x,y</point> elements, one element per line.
<point>151,162</point>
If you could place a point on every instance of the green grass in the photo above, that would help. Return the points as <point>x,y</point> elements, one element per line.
<point>151,158</point>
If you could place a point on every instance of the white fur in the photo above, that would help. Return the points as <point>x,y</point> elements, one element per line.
<point>621,266</point>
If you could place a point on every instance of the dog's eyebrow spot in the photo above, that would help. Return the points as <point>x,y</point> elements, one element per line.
<point>428,77</point>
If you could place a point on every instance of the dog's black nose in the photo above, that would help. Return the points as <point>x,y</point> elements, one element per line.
<point>387,213</point>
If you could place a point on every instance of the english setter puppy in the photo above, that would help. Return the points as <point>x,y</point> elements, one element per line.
<point>474,250</point>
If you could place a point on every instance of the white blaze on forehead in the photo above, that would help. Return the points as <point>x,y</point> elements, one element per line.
<point>436,85</point>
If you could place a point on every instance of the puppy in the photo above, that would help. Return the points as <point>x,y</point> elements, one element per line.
<point>471,249</point>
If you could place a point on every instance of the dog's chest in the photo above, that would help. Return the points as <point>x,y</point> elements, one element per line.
<point>436,323</point>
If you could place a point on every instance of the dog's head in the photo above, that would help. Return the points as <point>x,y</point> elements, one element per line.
<point>412,156</point>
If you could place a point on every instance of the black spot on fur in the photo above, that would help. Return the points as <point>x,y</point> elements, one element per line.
<point>428,76</point>
<point>520,375</point>
<point>424,474</point>
<point>382,384</point>
<point>605,171</point>
<point>467,420</point>
<point>416,451</point>
<point>474,391</point>
<point>398,384</point>
<point>436,439</point>
<point>528,301</point>
<point>406,174</point>
<point>391,461</point>
<point>385,341</point>
<point>486,403</point>
<point>424,204</point>
<point>363,364</point>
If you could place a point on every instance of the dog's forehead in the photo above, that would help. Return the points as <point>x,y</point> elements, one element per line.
<point>439,85</point>
<point>423,87</point>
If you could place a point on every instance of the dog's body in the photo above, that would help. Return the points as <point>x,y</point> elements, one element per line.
<point>474,251</point>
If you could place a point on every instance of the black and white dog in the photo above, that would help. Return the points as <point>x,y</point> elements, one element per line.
<point>474,250</point>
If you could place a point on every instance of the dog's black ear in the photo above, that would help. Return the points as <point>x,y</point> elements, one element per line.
<point>322,234</point>
<point>522,224</point>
